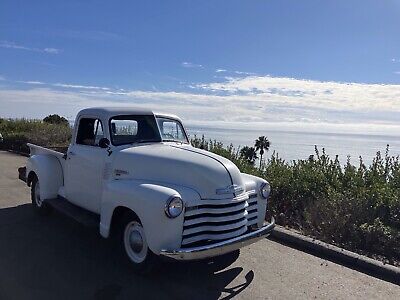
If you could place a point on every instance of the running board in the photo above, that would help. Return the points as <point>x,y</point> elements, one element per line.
<point>75,212</point>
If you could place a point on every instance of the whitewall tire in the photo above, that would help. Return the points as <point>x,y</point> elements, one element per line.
<point>39,205</point>
<point>134,244</point>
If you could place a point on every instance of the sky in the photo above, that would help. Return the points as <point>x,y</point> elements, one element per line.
<point>283,64</point>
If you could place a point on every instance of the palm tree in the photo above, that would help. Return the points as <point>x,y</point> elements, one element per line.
<point>262,143</point>
<point>249,154</point>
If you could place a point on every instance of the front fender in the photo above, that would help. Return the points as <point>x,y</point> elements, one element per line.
<point>147,200</point>
<point>253,183</point>
<point>49,171</point>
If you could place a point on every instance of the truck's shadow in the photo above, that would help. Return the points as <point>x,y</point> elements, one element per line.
<point>55,258</point>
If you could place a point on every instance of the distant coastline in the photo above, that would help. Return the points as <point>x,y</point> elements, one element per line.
<point>293,145</point>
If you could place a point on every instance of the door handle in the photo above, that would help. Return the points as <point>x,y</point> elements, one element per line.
<point>71,153</point>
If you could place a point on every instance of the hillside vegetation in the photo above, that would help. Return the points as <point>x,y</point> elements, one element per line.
<point>54,133</point>
<point>353,206</point>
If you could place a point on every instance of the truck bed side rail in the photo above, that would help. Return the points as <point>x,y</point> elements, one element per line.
<point>35,149</point>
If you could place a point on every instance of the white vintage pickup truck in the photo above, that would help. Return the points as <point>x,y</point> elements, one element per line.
<point>133,174</point>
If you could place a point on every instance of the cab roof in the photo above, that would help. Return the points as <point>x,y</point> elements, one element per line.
<point>109,112</point>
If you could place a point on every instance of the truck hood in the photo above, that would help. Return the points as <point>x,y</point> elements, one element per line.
<point>210,175</point>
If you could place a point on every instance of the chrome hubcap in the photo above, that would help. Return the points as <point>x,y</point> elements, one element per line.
<point>135,242</point>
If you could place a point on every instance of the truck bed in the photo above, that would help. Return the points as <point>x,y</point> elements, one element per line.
<point>39,150</point>
<point>35,149</point>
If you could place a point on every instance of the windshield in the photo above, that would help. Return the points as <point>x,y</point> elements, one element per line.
<point>133,129</point>
<point>171,130</point>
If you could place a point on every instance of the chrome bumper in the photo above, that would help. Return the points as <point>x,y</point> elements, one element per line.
<point>221,247</point>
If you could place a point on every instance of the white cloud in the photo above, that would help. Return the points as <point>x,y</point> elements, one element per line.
<point>186,64</point>
<point>32,82</point>
<point>51,50</point>
<point>244,73</point>
<point>397,72</point>
<point>250,102</point>
<point>235,72</point>
<point>76,86</point>
<point>69,86</point>
<point>12,45</point>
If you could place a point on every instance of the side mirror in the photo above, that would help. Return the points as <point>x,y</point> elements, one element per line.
<point>104,143</point>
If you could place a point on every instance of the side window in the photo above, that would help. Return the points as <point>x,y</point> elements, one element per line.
<point>90,132</point>
<point>171,130</point>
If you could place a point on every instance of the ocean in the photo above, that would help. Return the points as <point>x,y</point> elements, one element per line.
<point>300,145</point>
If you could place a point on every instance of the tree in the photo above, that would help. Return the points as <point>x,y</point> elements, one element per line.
<point>262,144</point>
<point>56,119</point>
<point>249,154</point>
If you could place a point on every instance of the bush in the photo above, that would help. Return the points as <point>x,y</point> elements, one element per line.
<point>16,133</point>
<point>16,142</point>
<point>56,119</point>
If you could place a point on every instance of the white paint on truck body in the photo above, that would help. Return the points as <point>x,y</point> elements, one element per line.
<point>142,177</point>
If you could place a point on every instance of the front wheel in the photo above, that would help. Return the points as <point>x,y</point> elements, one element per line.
<point>39,205</point>
<point>133,240</point>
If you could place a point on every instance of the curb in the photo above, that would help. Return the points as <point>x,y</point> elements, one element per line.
<point>350,259</point>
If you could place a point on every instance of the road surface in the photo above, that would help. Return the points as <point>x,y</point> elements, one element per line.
<point>54,258</point>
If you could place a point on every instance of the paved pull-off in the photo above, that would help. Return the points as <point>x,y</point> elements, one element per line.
<point>55,258</point>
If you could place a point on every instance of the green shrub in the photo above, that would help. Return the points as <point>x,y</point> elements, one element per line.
<point>56,119</point>
<point>16,133</point>
<point>15,142</point>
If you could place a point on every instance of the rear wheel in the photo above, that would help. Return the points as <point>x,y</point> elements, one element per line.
<point>134,244</point>
<point>39,205</point>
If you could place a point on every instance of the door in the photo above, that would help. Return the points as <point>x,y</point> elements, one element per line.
<point>84,166</point>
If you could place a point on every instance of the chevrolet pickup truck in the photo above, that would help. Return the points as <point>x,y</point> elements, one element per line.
<point>134,175</point>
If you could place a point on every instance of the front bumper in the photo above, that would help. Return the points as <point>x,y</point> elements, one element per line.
<point>220,247</point>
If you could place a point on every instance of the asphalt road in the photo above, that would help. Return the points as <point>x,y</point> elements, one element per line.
<point>54,258</point>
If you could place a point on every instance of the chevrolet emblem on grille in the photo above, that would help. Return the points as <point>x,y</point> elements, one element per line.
<point>231,189</point>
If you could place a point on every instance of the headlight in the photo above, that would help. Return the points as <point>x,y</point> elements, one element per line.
<point>173,207</point>
<point>265,190</point>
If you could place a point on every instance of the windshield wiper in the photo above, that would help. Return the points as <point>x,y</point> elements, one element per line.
<point>171,140</point>
<point>144,141</point>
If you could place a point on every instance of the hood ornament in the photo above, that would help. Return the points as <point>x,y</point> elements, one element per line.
<point>231,189</point>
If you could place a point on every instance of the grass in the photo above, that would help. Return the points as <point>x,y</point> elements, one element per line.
<point>356,207</point>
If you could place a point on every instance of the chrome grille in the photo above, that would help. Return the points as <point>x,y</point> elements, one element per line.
<point>252,209</point>
<point>216,220</point>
